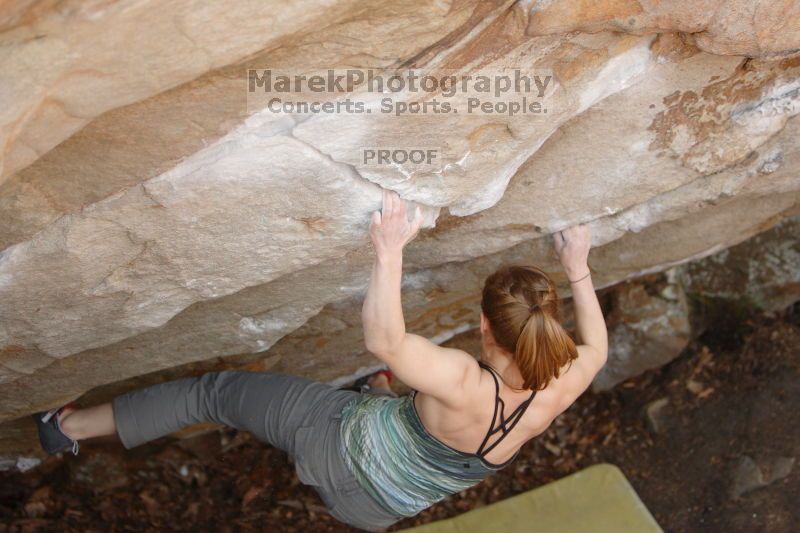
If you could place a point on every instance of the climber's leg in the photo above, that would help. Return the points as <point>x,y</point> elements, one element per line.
<point>98,421</point>
<point>269,405</point>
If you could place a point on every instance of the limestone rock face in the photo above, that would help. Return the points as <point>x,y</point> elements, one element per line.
<point>152,215</point>
<point>726,27</point>
<point>65,63</point>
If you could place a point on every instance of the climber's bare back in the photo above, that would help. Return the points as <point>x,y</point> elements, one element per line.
<point>456,398</point>
<point>464,426</point>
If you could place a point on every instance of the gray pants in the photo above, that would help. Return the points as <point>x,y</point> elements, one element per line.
<point>297,415</point>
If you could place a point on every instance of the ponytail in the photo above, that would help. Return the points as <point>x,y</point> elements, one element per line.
<point>521,305</point>
<point>542,349</point>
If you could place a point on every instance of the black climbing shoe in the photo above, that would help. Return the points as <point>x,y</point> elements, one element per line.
<point>51,437</point>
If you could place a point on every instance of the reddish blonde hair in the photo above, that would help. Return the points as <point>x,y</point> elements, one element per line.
<point>522,307</point>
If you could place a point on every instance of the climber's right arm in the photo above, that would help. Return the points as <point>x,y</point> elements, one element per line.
<point>572,247</point>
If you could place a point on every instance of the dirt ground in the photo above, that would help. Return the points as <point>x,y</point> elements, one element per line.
<point>717,454</point>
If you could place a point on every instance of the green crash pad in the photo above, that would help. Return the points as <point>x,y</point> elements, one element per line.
<point>597,499</point>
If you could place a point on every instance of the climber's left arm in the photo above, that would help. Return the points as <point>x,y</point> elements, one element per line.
<point>416,361</point>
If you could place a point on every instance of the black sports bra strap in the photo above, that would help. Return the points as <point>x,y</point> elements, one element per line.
<point>515,417</point>
<point>494,415</point>
<point>507,431</point>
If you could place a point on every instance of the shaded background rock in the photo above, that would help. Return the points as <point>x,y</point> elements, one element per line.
<point>749,475</point>
<point>763,272</point>
<point>154,224</point>
<point>646,329</point>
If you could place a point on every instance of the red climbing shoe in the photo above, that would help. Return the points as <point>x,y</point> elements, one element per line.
<point>363,380</point>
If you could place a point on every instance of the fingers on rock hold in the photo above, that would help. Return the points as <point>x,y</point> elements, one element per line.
<point>418,218</point>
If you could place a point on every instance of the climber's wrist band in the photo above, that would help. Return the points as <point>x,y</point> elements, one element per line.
<point>581,279</point>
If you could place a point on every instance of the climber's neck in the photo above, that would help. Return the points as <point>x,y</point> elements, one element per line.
<point>503,364</point>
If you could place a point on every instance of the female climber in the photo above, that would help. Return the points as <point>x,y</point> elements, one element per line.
<point>375,457</point>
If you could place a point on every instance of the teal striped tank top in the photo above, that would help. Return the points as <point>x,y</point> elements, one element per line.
<point>397,461</point>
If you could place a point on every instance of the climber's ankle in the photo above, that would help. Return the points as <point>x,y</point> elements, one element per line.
<point>70,425</point>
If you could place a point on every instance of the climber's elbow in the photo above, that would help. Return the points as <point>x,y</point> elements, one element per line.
<point>382,346</point>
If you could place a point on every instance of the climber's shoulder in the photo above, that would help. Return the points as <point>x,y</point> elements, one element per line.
<point>442,372</point>
<point>575,378</point>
